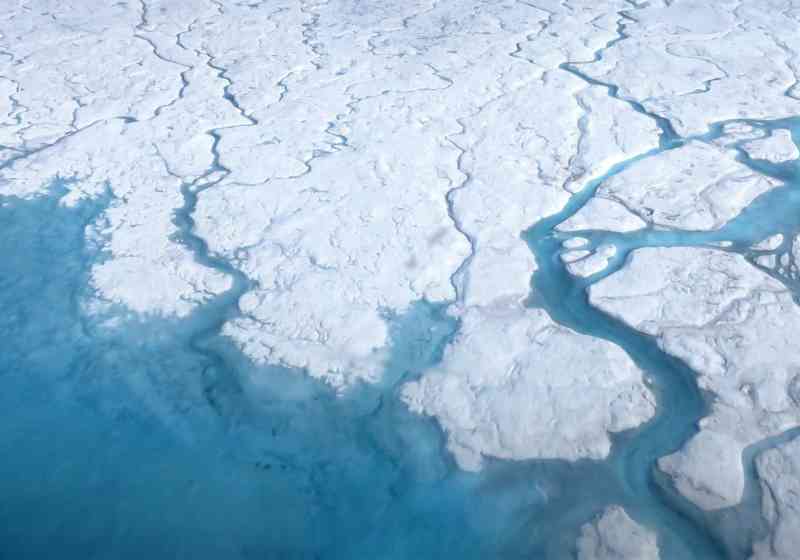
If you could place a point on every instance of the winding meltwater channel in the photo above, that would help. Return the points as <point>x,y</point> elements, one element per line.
<point>682,531</point>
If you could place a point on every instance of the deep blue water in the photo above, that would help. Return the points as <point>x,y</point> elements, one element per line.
<point>147,439</point>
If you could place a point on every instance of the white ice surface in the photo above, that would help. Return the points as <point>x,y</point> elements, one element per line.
<point>779,473</point>
<point>615,536</point>
<point>769,244</point>
<point>603,214</point>
<point>515,385</point>
<point>775,148</point>
<point>695,187</point>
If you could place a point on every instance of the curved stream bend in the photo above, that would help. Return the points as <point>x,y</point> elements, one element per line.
<point>682,528</point>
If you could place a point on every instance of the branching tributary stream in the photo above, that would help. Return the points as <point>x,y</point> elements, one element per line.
<point>628,477</point>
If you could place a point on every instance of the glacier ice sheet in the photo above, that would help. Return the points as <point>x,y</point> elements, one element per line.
<point>339,189</point>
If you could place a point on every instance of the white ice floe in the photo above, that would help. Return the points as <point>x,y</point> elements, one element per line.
<point>775,148</point>
<point>603,214</point>
<point>575,242</point>
<point>770,243</point>
<point>615,536</point>
<point>596,262</point>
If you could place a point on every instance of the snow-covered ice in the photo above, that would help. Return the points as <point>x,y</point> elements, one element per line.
<point>695,187</point>
<point>594,262</point>
<point>605,214</point>
<point>775,148</point>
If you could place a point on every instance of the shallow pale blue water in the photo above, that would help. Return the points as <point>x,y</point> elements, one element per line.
<point>149,438</point>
